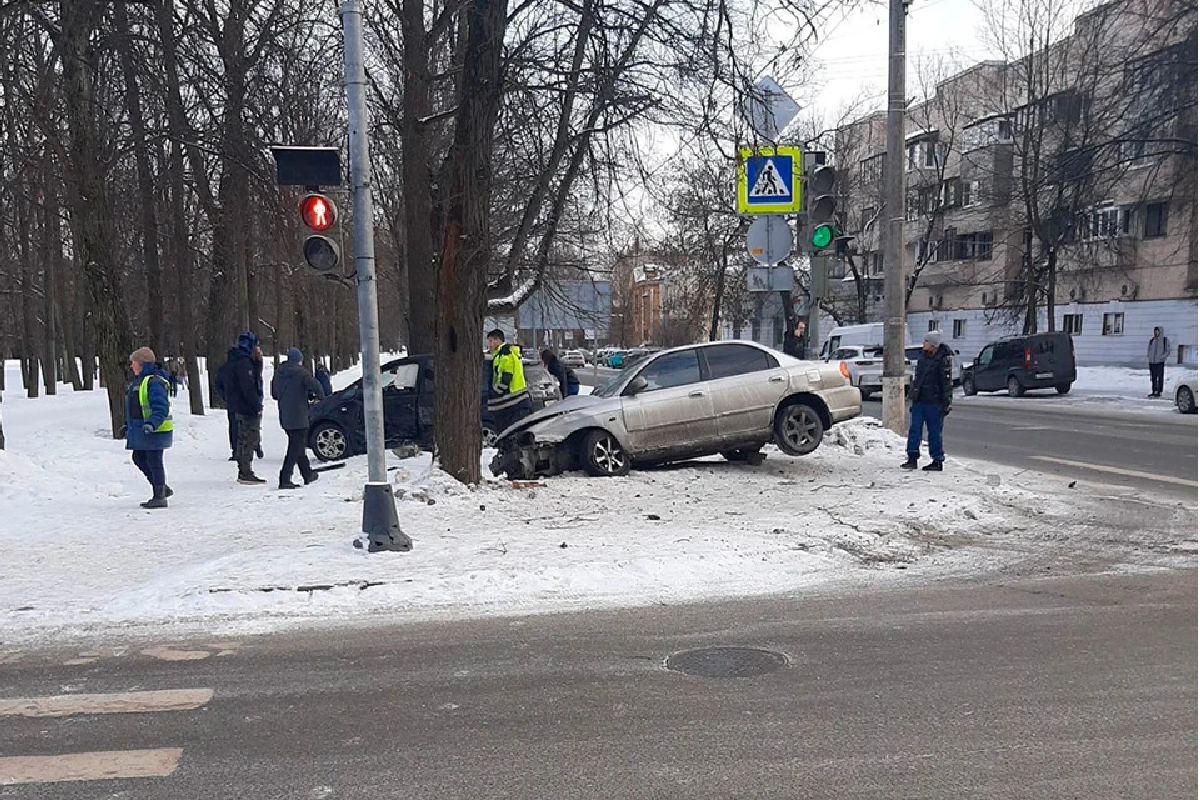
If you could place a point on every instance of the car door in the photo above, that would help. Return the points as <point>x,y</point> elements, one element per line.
<point>746,384</point>
<point>400,401</point>
<point>673,413</point>
<point>985,370</point>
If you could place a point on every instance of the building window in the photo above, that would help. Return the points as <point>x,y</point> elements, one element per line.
<point>1156,220</point>
<point>1108,221</point>
<point>1072,324</point>
<point>925,154</point>
<point>870,170</point>
<point>877,264</point>
<point>1114,324</point>
<point>974,246</point>
<point>931,306</point>
<point>960,329</point>
<point>934,325</point>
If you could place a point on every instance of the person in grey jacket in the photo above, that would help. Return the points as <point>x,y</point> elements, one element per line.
<point>291,388</point>
<point>1156,353</point>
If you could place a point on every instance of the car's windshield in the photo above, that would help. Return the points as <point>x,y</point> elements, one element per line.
<point>613,387</point>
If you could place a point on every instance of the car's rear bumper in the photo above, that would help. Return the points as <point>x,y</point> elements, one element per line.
<point>844,402</point>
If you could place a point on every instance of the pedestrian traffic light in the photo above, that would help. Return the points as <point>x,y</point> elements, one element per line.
<point>822,208</point>
<point>319,214</point>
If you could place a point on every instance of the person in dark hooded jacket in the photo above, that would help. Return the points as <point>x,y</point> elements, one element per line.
<point>568,382</point>
<point>291,388</point>
<point>932,392</point>
<point>148,425</point>
<point>224,378</point>
<point>240,380</point>
<point>322,376</point>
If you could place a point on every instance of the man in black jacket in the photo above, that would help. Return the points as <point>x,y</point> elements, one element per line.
<point>291,388</point>
<point>931,392</point>
<point>568,383</point>
<point>241,381</point>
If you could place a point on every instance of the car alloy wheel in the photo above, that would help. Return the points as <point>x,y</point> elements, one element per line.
<point>799,429</point>
<point>1185,401</point>
<point>1014,387</point>
<point>329,443</point>
<point>603,455</point>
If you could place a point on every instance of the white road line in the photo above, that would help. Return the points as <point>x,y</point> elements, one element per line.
<point>1129,473</point>
<point>97,766</point>
<point>64,705</point>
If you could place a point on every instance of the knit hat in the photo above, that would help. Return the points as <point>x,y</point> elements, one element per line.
<point>294,356</point>
<point>934,338</point>
<point>247,341</point>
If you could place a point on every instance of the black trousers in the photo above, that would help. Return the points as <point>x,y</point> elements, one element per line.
<point>150,462</point>
<point>1156,378</point>
<point>232,432</point>
<point>504,417</point>
<point>297,455</point>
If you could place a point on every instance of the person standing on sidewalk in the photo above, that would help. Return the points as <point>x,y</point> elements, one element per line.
<point>1157,353</point>
<point>291,387</point>
<point>148,423</point>
<point>568,381</point>
<point>509,400</point>
<point>242,381</point>
<point>932,392</point>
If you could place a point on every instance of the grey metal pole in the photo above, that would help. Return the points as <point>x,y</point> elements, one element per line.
<point>818,266</point>
<point>895,414</point>
<point>380,521</point>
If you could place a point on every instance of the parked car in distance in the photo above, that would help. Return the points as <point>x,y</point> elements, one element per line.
<point>730,398</point>
<point>337,427</point>
<point>616,359</point>
<point>1019,364</point>
<point>1185,393</point>
<point>865,366</point>
<point>574,359</point>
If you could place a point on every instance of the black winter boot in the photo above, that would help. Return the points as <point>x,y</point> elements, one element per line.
<point>249,479</point>
<point>159,500</point>
<point>310,477</point>
<point>286,483</point>
<point>934,467</point>
<point>168,491</point>
<point>910,464</point>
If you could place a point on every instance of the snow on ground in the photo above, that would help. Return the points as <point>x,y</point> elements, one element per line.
<point>78,556</point>
<point>1122,388</point>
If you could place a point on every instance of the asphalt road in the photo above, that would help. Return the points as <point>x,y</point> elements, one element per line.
<point>1081,687</point>
<point>1155,452</point>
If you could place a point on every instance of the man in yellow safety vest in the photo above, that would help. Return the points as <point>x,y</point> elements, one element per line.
<point>509,400</point>
<point>148,423</point>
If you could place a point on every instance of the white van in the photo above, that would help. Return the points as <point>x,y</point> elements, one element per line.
<point>861,346</point>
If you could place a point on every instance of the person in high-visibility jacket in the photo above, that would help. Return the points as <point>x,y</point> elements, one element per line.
<point>509,400</point>
<point>148,423</point>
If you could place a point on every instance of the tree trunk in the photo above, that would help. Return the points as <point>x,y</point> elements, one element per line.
<point>88,201</point>
<point>155,310</point>
<point>1051,286</point>
<point>51,253</point>
<point>714,328</point>
<point>466,244</point>
<point>416,153</point>
<point>29,348</point>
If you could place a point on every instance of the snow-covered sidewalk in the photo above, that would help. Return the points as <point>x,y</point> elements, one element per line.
<point>1102,388</point>
<point>78,556</point>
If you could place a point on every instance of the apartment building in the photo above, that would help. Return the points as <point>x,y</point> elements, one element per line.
<point>1062,183</point>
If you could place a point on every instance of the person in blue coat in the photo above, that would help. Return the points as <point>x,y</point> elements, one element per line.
<point>148,423</point>
<point>323,379</point>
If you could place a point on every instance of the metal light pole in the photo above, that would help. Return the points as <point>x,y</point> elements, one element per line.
<point>895,414</point>
<point>380,522</point>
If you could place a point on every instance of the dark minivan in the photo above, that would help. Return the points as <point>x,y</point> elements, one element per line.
<point>1021,363</point>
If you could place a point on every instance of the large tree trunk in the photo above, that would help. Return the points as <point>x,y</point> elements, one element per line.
<point>420,264</point>
<point>1051,286</point>
<point>155,310</point>
<point>88,202</point>
<point>466,244</point>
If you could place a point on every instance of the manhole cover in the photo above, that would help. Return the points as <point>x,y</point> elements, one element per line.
<point>726,662</point>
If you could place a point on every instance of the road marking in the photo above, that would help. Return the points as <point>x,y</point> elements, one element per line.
<point>1129,473</point>
<point>64,705</point>
<point>103,765</point>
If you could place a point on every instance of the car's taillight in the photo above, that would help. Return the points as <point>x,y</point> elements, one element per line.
<point>1028,358</point>
<point>845,370</point>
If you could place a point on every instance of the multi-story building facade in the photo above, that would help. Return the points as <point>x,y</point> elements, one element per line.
<point>1055,190</point>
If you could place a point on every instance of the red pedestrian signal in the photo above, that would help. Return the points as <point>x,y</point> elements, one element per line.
<point>318,212</point>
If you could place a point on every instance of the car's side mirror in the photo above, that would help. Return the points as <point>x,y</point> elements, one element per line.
<point>636,385</point>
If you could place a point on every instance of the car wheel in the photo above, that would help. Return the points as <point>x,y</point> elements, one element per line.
<point>603,456</point>
<point>798,429</point>
<point>1063,388</point>
<point>1014,387</point>
<point>328,441</point>
<point>490,435</point>
<point>751,457</point>
<point>1185,401</point>
<point>969,387</point>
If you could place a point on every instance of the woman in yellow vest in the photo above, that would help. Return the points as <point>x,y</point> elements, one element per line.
<point>148,423</point>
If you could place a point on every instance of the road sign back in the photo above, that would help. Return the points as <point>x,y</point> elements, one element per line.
<point>769,181</point>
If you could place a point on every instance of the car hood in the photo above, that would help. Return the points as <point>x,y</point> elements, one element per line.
<point>581,403</point>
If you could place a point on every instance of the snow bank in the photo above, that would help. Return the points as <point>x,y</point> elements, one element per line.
<point>78,555</point>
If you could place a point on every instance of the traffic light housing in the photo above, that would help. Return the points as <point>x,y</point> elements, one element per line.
<point>319,214</point>
<point>822,208</point>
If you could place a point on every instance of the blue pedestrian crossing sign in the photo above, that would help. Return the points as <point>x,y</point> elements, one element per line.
<point>770,180</point>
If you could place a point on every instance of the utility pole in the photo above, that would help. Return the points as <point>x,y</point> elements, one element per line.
<point>380,522</point>
<point>895,414</point>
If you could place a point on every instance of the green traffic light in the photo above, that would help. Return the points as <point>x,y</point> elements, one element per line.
<point>823,236</point>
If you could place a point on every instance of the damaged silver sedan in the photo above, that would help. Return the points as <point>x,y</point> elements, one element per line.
<point>730,398</point>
